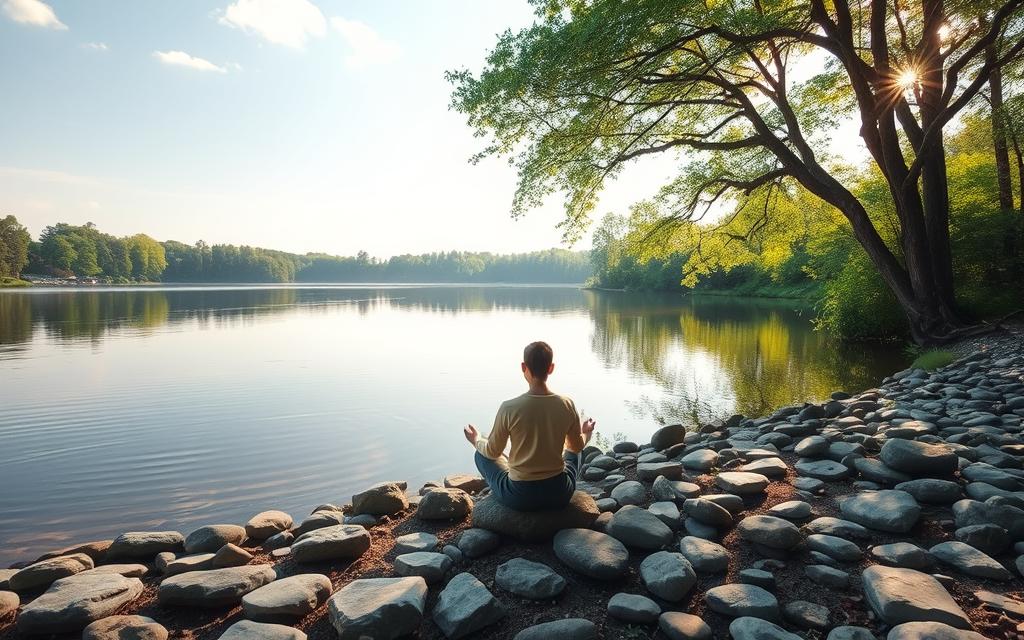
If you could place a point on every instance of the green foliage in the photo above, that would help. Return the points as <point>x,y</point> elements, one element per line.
<point>933,359</point>
<point>14,243</point>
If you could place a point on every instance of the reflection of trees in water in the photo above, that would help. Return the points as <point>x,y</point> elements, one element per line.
<point>767,351</point>
<point>91,315</point>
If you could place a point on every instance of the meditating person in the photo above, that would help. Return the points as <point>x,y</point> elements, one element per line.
<point>547,438</point>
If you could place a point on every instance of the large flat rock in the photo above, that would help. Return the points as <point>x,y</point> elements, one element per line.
<point>535,526</point>
<point>887,510</point>
<point>379,608</point>
<point>72,603</point>
<point>339,542</point>
<point>591,553</point>
<point>900,595</point>
<point>215,588</point>
<point>291,597</point>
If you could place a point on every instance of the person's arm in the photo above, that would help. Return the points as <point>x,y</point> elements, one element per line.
<point>574,438</point>
<point>493,446</point>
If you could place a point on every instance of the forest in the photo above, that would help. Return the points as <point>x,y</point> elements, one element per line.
<point>65,250</point>
<point>865,154</point>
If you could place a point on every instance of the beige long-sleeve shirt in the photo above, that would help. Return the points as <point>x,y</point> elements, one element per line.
<point>540,429</point>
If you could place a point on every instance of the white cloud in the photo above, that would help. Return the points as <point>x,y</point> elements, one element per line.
<point>287,22</point>
<point>182,59</point>
<point>96,46</point>
<point>33,12</point>
<point>366,46</point>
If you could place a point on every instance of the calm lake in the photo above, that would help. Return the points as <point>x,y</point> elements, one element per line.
<point>172,407</point>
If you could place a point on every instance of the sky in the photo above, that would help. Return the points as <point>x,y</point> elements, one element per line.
<point>288,124</point>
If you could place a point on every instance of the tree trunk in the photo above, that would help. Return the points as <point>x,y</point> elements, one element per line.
<point>1002,152</point>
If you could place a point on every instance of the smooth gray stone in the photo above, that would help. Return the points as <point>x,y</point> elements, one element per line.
<point>214,588</point>
<point>768,467</point>
<point>465,606</point>
<point>382,499</point>
<point>968,512</point>
<point>71,603</point>
<point>877,471</point>
<point>42,574</point>
<point>639,528</point>
<point>930,631</point>
<point>700,460</point>
<point>770,531</point>
<point>210,538</point>
<point>266,524</point>
<point>319,520</point>
<point>705,556</point>
<point>828,576</point>
<point>758,577</point>
<point>474,543</point>
<point>732,502</point>
<point>629,607</point>
<point>741,600</point>
<point>791,510</point>
<point>429,565</point>
<point>900,595</point>
<point>536,526</point>
<point>811,447</point>
<point>674,490</point>
<point>969,560</point>
<point>667,436</point>
<point>184,564</point>
<point>989,538</point>
<point>750,628</point>
<point>806,615</point>
<point>677,625</point>
<point>708,512</point>
<point>668,575</point>
<point>143,545</point>
<point>932,490</point>
<point>698,529</point>
<point>591,553</point>
<point>249,630</point>
<point>339,542</point>
<point>292,597</point>
<point>565,629</point>
<point>412,542</point>
<point>742,483</point>
<point>838,548</point>
<point>887,510</point>
<point>528,579</point>
<point>825,470</point>
<point>848,632</point>
<point>837,527</point>
<point>444,504</point>
<point>903,554</point>
<point>629,492</point>
<point>379,608</point>
<point>919,459</point>
<point>667,512</point>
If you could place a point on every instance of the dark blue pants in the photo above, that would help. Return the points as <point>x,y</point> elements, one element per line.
<point>530,495</point>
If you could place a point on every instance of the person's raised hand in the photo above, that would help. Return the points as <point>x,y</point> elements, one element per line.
<point>587,428</point>
<point>471,434</point>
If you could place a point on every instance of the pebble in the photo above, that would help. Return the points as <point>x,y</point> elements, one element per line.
<point>564,629</point>
<point>705,556</point>
<point>629,607</point>
<point>248,630</point>
<point>742,483</point>
<point>212,537</point>
<point>750,628</point>
<point>639,528</point>
<point>412,542</point>
<point>903,554</point>
<point>266,524</point>
<point>770,531</point>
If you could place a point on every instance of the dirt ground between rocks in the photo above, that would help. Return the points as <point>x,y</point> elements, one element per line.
<point>587,598</point>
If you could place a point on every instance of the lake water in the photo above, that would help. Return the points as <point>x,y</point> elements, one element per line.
<point>172,407</point>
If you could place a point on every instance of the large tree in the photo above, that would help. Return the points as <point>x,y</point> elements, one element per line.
<point>14,241</point>
<point>751,90</point>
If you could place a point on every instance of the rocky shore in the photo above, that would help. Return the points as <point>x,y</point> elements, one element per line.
<point>895,513</point>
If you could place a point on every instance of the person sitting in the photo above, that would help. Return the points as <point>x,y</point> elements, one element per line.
<point>547,438</point>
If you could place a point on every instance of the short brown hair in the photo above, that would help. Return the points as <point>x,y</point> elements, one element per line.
<point>538,356</point>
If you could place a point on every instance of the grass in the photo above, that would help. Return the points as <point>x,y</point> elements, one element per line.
<point>14,282</point>
<point>803,291</point>
<point>932,359</point>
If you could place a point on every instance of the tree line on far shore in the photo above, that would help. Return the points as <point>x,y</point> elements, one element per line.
<point>65,250</point>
